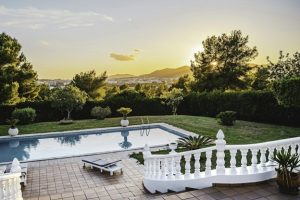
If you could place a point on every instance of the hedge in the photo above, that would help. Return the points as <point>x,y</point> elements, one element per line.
<point>258,106</point>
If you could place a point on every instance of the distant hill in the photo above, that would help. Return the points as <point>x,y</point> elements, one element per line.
<point>169,72</point>
<point>162,73</point>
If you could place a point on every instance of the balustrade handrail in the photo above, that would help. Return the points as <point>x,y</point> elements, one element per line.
<point>159,156</point>
<point>264,145</point>
<point>6,176</point>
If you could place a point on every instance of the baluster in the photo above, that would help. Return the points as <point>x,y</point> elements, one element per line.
<point>150,167</point>
<point>178,167</point>
<point>244,161</point>
<point>163,168</point>
<point>197,165</point>
<point>157,163</point>
<point>2,189</point>
<point>170,168</point>
<point>233,161</point>
<point>187,166</point>
<point>254,159</point>
<point>146,168</point>
<point>263,158</point>
<point>154,168</point>
<point>15,187</point>
<point>293,148</point>
<point>208,163</point>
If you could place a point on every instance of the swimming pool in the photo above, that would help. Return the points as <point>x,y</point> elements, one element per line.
<point>46,146</point>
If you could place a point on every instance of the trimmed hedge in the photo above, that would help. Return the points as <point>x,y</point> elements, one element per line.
<point>258,106</point>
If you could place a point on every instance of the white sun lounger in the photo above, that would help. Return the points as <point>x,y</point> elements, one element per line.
<point>103,165</point>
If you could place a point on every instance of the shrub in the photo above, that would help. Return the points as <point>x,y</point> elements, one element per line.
<point>227,118</point>
<point>194,142</point>
<point>287,92</point>
<point>100,113</point>
<point>24,115</point>
<point>124,112</point>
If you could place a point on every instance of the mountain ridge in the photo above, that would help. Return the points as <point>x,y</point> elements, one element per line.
<point>161,73</point>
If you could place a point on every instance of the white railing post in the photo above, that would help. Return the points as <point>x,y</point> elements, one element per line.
<point>187,165</point>
<point>178,167</point>
<point>244,161</point>
<point>220,145</point>
<point>233,161</point>
<point>163,168</point>
<point>10,188</point>
<point>254,159</point>
<point>208,163</point>
<point>263,158</point>
<point>197,165</point>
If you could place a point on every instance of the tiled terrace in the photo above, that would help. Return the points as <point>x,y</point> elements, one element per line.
<point>66,179</point>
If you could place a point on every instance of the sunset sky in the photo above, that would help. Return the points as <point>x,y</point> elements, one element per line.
<point>64,37</point>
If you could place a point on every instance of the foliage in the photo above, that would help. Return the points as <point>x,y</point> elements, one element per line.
<point>124,87</point>
<point>24,115</point>
<point>90,83</point>
<point>182,83</point>
<point>286,66</point>
<point>12,122</point>
<point>18,81</point>
<point>100,113</point>
<point>44,93</point>
<point>224,62</point>
<point>173,98</point>
<point>124,111</point>
<point>287,92</point>
<point>260,79</point>
<point>227,118</point>
<point>257,106</point>
<point>195,142</point>
<point>68,98</point>
<point>287,163</point>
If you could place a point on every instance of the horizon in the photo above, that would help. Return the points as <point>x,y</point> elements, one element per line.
<point>62,39</point>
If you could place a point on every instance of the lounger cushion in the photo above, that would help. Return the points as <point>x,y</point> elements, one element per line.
<point>100,162</point>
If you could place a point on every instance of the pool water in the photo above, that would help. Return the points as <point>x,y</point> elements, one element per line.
<point>35,148</point>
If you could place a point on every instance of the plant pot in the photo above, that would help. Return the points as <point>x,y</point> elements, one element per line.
<point>292,188</point>
<point>124,122</point>
<point>172,147</point>
<point>13,131</point>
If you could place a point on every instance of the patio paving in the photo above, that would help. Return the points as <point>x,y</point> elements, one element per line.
<point>66,179</point>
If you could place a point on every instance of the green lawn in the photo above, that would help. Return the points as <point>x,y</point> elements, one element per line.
<point>241,133</point>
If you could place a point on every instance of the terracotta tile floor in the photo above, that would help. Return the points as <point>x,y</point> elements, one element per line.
<point>66,179</point>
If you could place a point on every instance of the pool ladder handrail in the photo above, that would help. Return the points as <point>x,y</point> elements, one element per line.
<point>144,128</point>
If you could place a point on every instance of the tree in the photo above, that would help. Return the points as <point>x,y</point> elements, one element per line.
<point>90,83</point>
<point>260,79</point>
<point>286,66</point>
<point>44,93</point>
<point>68,98</point>
<point>224,62</point>
<point>172,98</point>
<point>183,83</point>
<point>287,92</point>
<point>124,87</point>
<point>18,80</point>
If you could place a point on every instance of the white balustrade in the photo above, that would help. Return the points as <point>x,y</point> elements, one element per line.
<point>10,188</point>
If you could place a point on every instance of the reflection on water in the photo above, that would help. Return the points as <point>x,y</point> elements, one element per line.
<point>125,144</point>
<point>17,149</point>
<point>76,144</point>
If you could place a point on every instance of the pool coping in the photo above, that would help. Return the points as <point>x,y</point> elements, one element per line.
<point>164,126</point>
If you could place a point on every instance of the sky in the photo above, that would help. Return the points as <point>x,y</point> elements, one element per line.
<point>64,37</point>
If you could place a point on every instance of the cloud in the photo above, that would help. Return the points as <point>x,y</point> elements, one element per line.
<point>43,43</point>
<point>137,50</point>
<point>34,18</point>
<point>122,57</point>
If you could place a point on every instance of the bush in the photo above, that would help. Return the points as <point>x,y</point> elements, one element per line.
<point>24,115</point>
<point>227,118</point>
<point>287,92</point>
<point>100,113</point>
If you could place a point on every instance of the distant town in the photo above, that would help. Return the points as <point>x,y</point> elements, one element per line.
<point>167,75</point>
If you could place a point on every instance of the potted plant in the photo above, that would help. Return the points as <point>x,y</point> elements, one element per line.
<point>287,178</point>
<point>124,112</point>
<point>13,130</point>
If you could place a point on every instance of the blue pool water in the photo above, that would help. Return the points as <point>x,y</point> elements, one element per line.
<point>39,147</point>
